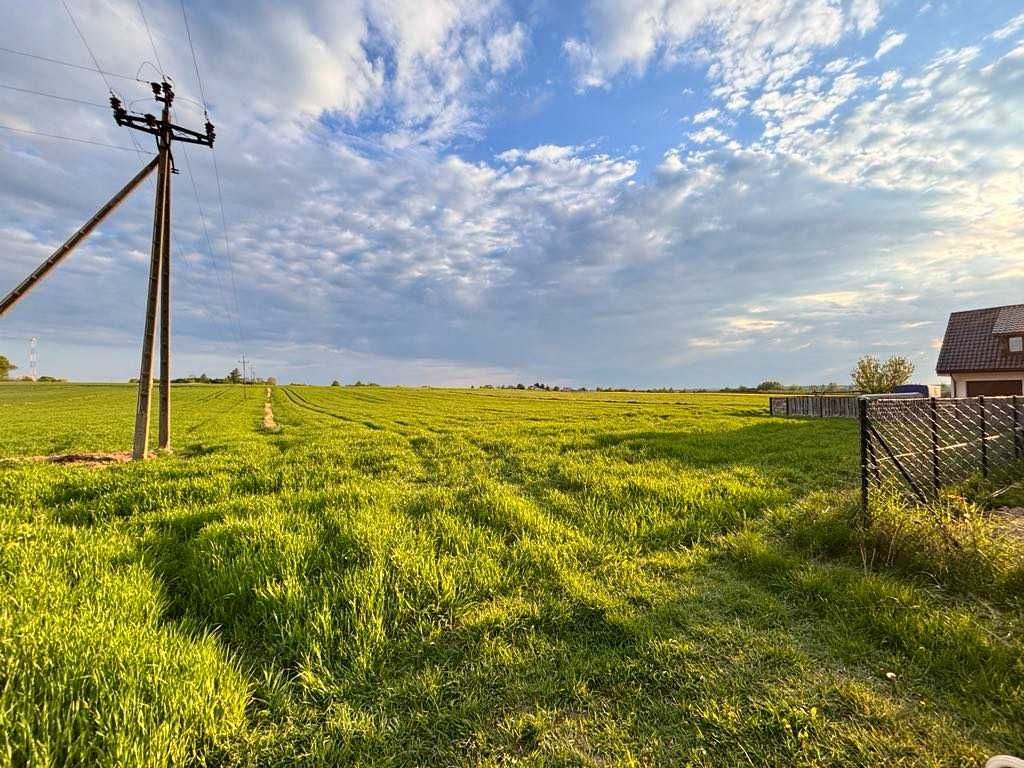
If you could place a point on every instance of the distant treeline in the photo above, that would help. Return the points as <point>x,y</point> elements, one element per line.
<point>232,378</point>
<point>771,387</point>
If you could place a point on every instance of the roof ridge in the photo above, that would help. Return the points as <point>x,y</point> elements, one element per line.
<point>986,309</point>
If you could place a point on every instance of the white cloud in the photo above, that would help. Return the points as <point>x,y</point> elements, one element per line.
<point>416,68</point>
<point>708,134</point>
<point>953,130</point>
<point>865,14</point>
<point>706,116</point>
<point>745,325</point>
<point>889,80</point>
<point>891,40</point>
<point>746,44</point>
<point>506,48</point>
<point>1012,27</point>
<point>807,103</point>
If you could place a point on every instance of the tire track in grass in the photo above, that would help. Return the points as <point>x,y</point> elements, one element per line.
<point>319,409</point>
<point>215,415</point>
<point>305,405</point>
<point>212,397</point>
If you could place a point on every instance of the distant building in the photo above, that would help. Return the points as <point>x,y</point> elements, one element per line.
<point>983,351</point>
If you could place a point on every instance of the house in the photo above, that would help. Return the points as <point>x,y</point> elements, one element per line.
<point>983,351</point>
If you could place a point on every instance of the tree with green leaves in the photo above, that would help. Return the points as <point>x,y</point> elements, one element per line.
<point>873,377</point>
<point>6,366</point>
<point>235,376</point>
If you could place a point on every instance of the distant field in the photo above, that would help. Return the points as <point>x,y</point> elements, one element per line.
<point>471,577</point>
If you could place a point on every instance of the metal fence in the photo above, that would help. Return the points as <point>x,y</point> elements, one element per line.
<point>914,447</point>
<point>822,406</point>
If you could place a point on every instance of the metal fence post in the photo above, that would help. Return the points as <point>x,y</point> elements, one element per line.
<point>984,441</point>
<point>936,480</point>
<point>862,415</point>
<point>1016,429</point>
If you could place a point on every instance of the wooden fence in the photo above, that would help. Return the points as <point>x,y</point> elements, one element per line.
<point>819,406</point>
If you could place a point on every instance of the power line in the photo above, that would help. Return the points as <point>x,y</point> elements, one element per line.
<point>69,138</point>
<point>86,44</point>
<point>84,68</point>
<point>149,34</point>
<point>227,248</point>
<point>96,63</point>
<point>70,64</point>
<point>143,65</point>
<point>135,144</point>
<point>209,247</point>
<point>160,70</point>
<point>195,60</point>
<point>54,96</point>
<point>216,171</point>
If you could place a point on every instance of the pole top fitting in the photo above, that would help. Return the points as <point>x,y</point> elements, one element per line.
<point>162,92</point>
<point>119,111</point>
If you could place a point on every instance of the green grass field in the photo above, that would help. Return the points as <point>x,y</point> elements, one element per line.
<point>480,577</point>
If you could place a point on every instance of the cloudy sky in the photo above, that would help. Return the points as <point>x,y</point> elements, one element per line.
<point>601,192</point>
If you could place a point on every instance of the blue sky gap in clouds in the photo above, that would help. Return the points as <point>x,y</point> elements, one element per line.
<point>606,192</point>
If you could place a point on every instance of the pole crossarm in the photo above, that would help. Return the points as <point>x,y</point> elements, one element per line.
<point>57,256</point>
<point>149,124</point>
<point>162,127</point>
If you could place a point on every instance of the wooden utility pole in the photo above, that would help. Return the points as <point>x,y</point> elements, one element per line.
<point>159,286</point>
<point>159,293</point>
<point>156,262</point>
<point>245,392</point>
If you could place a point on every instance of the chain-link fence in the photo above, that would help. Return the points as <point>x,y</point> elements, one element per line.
<point>913,447</point>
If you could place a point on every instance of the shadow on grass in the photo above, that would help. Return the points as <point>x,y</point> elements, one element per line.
<point>576,655</point>
<point>199,449</point>
<point>752,653</point>
<point>808,454</point>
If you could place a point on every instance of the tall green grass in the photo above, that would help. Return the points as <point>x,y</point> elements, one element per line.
<point>425,577</point>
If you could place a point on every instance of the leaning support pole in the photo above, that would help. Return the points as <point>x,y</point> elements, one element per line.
<point>41,271</point>
<point>142,408</point>
<point>164,433</point>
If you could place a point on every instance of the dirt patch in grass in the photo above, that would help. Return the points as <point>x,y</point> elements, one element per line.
<point>268,414</point>
<point>82,459</point>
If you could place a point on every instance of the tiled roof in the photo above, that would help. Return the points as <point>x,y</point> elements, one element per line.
<point>972,344</point>
<point>1009,320</point>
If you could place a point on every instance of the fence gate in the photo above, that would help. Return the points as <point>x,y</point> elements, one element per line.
<point>914,447</point>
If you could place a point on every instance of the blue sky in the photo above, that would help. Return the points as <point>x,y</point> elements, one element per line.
<point>605,192</point>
